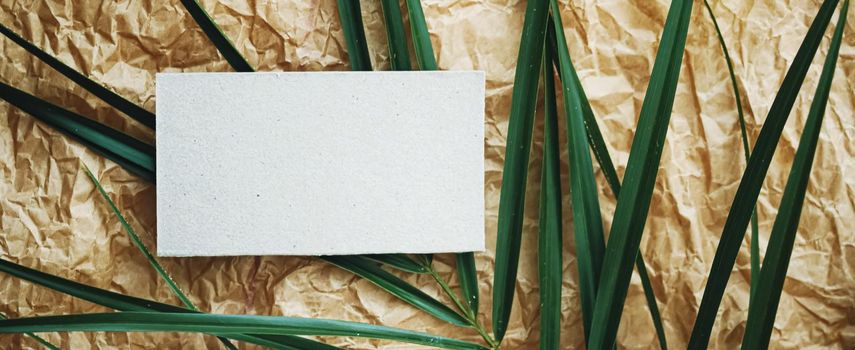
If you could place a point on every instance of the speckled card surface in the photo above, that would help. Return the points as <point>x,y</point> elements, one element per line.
<point>319,163</point>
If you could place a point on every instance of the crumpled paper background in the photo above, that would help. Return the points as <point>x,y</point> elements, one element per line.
<point>53,220</point>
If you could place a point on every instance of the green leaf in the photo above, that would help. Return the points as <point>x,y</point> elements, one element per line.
<point>592,130</point>
<point>651,301</point>
<point>127,107</point>
<point>755,237</point>
<point>35,337</point>
<point>467,274</point>
<point>399,261</point>
<point>130,153</point>
<point>634,200</point>
<point>752,180</point>
<point>518,145</point>
<point>209,323</point>
<point>359,264</point>
<point>761,313</point>
<point>587,224</point>
<point>466,271</point>
<point>367,269</point>
<point>398,53</point>
<point>601,153</point>
<point>549,236</point>
<point>138,243</point>
<point>350,15</point>
<point>128,303</point>
<point>217,37</point>
<point>421,36</point>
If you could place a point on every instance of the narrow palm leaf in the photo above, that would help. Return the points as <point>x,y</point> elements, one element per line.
<point>761,313</point>
<point>358,264</point>
<point>755,236</point>
<point>752,180</point>
<point>367,269</point>
<point>130,153</point>
<point>467,274</point>
<point>217,37</point>
<point>139,244</point>
<point>587,224</point>
<point>355,35</point>
<point>350,15</point>
<point>127,107</point>
<point>592,130</point>
<point>37,338</point>
<point>651,301</point>
<point>209,323</point>
<point>151,260</point>
<point>399,261</point>
<point>601,153</point>
<point>398,53</point>
<point>549,238</point>
<point>421,36</point>
<point>123,302</point>
<point>643,165</point>
<point>518,145</point>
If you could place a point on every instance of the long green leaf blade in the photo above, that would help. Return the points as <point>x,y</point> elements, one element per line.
<point>358,264</point>
<point>643,165</point>
<point>601,153</point>
<point>127,107</point>
<point>752,180</point>
<point>209,323</point>
<point>217,37</point>
<point>132,154</point>
<point>139,244</point>
<point>467,274</point>
<point>518,145</point>
<point>367,269</point>
<point>761,313</point>
<point>755,235</point>
<point>592,130</point>
<point>35,337</point>
<point>651,301</point>
<point>142,248</point>
<point>395,35</point>
<point>550,230</point>
<point>399,261</point>
<point>91,294</point>
<point>421,36</point>
<point>350,15</point>
<point>128,303</point>
<point>587,224</point>
<point>466,271</point>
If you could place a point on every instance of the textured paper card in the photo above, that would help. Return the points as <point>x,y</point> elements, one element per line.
<point>322,163</point>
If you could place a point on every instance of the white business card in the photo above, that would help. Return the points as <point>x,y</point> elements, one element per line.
<point>319,163</point>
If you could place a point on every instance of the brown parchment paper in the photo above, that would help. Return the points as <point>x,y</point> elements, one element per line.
<point>52,219</point>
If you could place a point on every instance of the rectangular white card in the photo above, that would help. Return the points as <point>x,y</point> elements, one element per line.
<point>320,163</point>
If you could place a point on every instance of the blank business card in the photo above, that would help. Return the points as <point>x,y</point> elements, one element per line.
<point>320,163</point>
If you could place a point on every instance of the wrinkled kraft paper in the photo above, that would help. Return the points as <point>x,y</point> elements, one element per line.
<point>53,220</point>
